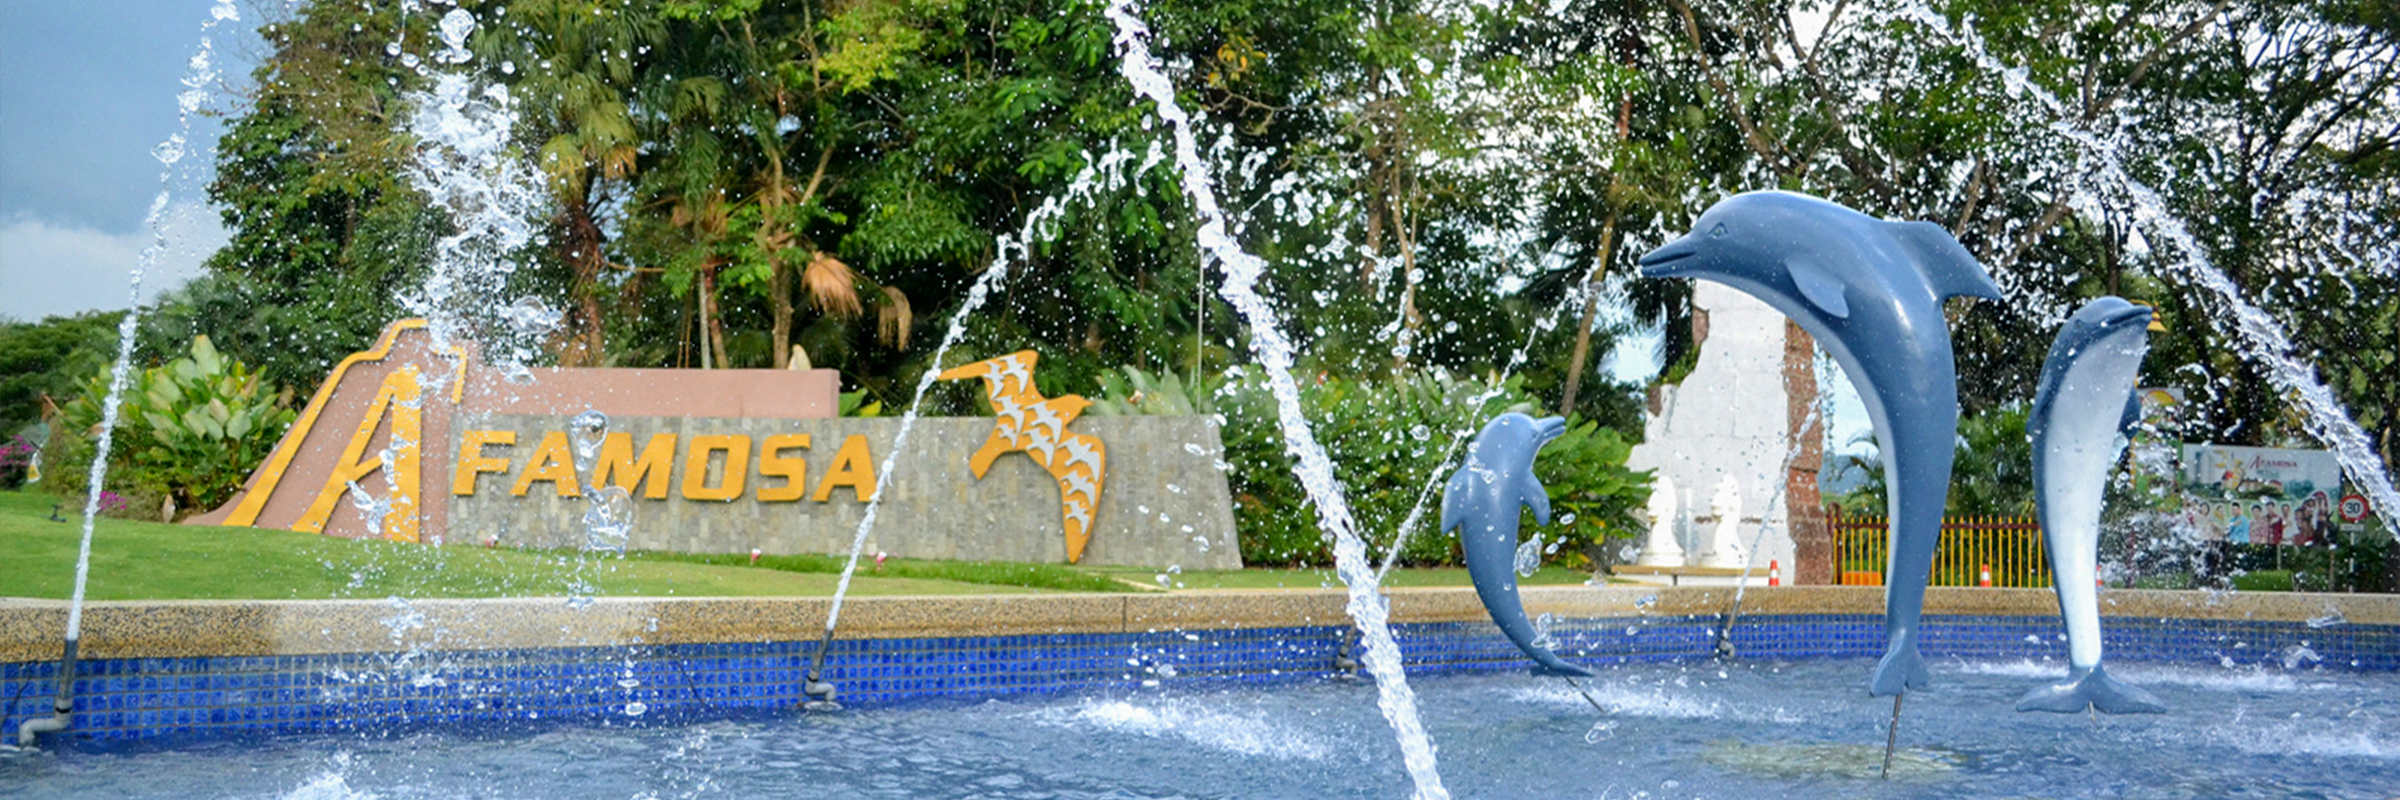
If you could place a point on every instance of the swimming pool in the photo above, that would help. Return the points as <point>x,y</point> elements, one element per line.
<point>1190,694</point>
<point>1670,730</point>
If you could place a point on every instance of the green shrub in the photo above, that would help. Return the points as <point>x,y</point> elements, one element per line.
<point>1387,439</point>
<point>191,430</point>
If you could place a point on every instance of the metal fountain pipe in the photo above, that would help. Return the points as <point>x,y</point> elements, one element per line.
<point>62,710</point>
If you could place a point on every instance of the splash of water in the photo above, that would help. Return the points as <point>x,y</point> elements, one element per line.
<point>464,163</point>
<point>200,73</point>
<point>1242,272</point>
<point>2261,338</point>
<point>1208,725</point>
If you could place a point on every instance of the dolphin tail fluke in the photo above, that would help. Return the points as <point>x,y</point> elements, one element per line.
<point>2094,689</point>
<point>1900,670</point>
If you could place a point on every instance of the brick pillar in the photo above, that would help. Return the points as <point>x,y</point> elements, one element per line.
<point>1812,537</point>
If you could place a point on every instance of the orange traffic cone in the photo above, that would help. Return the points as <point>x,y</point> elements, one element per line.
<point>1986,580</point>
<point>1774,572</point>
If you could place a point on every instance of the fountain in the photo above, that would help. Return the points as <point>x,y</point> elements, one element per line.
<point>674,674</point>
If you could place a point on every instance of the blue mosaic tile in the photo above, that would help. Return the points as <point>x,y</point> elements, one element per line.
<point>136,698</point>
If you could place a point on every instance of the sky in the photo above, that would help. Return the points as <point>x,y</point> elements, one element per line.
<point>87,88</point>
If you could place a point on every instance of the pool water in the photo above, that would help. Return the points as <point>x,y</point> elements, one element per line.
<point>1753,729</point>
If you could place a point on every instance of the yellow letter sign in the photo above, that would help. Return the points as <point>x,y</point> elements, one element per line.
<point>399,396</point>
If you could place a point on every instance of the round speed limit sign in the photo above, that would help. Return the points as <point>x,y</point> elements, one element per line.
<point>2354,508</point>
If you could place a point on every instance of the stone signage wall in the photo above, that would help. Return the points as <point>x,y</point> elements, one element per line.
<point>1164,501</point>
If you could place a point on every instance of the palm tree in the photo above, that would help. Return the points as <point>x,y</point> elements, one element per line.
<point>578,61</point>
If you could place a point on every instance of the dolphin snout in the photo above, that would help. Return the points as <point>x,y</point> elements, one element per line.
<point>1661,263</point>
<point>2129,315</point>
<point>1548,428</point>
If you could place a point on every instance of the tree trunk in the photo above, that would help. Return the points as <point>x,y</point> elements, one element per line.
<point>712,333</point>
<point>1591,309</point>
<point>580,246</point>
<point>779,291</point>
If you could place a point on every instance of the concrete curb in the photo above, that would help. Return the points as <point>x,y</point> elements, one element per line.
<point>32,630</point>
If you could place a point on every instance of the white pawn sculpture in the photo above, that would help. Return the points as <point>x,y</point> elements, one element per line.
<point>1661,549</point>
<point>1726,548</point>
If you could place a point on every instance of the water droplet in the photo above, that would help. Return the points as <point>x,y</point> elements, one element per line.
<point>1529,556</point>
<point>456,27</point>
<point>636,708</point>
<point>170,151</point>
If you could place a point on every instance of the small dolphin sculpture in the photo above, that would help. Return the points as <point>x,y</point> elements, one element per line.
<point>2074,425</point>
<point>1481,501</point>
<point>1871,292</point>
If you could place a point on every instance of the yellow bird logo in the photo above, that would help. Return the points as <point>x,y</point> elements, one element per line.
<point>1026,422</point>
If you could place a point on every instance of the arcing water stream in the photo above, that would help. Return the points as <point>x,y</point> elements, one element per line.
<point>2261,337</point>
<point>1100,174</point>
<point>1367,605</point>
<point>201,73</point>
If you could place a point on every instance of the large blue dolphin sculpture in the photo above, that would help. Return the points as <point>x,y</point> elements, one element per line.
<point>1481,501</point>
<point>1871,292</point>
<point>2074,425</point>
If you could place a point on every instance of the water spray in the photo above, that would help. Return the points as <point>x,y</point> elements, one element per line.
<point>818,691</point>
<point>2260,337</point>
<point>201,72</point>
<point>1275,355</point>
<point>1724,647</point>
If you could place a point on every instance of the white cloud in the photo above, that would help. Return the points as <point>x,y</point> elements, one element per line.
<point>50,269</point>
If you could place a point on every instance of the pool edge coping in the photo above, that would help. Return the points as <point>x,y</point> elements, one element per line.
<point>31,629</point>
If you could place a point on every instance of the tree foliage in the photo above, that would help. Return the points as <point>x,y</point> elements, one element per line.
<point>1435,186</point>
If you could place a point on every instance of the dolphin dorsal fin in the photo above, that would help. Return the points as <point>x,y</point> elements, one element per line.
<point>1948,267</point>
<point>1820,287</point>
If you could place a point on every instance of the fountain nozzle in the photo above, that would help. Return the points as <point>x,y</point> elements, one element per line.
<point>819,694</point>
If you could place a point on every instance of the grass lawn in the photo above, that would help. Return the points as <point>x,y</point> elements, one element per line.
<point>152,561</point>
<point>1325,578</point>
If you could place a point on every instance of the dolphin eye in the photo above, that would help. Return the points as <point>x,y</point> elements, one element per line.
<point>1717,232</point>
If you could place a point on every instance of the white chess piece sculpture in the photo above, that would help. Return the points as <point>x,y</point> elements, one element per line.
<point>1660,549</point>
<point>1725,549</point>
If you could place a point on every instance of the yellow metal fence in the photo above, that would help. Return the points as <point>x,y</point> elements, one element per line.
<point>2012,546</point>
